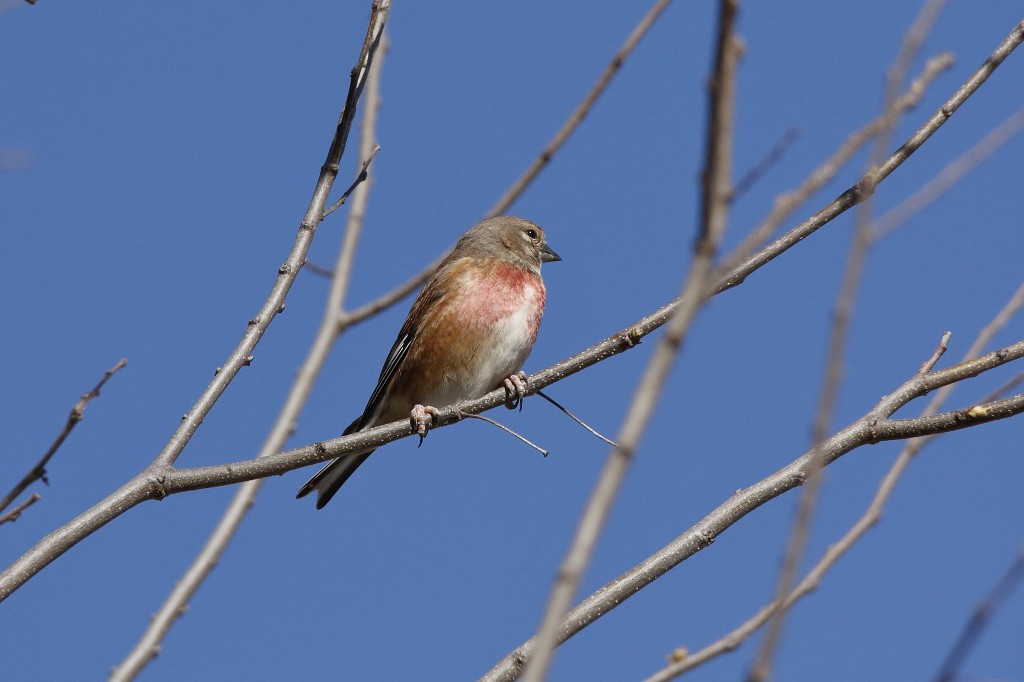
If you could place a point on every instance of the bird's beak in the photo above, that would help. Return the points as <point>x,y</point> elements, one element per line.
<point>547,255</point>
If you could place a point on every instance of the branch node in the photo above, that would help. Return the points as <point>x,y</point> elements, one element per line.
<point>872,431</point>
<point>977,411</point>
<point>705,538</point>
<point>633,337</point>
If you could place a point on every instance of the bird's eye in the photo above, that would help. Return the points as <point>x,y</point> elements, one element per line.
<point>532,234</point>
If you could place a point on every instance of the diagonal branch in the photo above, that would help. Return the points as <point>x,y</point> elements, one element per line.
<point>15,514</point>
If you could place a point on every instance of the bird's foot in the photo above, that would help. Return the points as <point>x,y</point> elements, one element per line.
<point>422,418</point>
<point>516,386</point>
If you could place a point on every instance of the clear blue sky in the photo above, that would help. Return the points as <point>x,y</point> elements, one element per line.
<point>172,151</point>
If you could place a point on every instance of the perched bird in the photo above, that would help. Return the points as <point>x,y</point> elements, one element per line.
<point>468,332</point>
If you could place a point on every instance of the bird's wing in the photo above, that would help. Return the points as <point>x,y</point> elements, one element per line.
<point>428,297</point>
<point>394,360</point>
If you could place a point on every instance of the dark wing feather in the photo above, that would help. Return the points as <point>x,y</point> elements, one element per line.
<point>394,360</point>
<point>431,293</point>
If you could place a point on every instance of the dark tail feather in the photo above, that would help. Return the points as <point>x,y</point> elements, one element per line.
<point>329,480</point>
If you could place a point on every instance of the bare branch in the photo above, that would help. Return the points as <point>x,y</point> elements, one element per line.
<point>367,160</point>
<point>316,269</point>
<point>774,155</point>
<point>1006,387</point>
<point>286,274</point>
<point>530,174</point>
<point>15,513</point>
<point>940,350</point>
<point>347,319</point>
<point>38,472</point>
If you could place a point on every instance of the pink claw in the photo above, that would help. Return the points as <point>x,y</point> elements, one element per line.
<point>515,390</point>
<point>422,418</point>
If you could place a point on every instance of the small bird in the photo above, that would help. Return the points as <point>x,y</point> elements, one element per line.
<point>468,332</point>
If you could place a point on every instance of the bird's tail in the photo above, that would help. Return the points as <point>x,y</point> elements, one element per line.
<point>329,480</point>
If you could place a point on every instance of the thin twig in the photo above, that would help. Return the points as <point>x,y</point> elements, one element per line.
<point>38,472</point>
<point>147,486</point>
<point>574,120</point>
<point>981,616</point>
<point>940,350</point>
<point>573,417</point>
<point>315,269</point>
<point>493,422</point>
<point>349,318</point>
<point>1006,387</point>
<point>15,513</point>
<point>361,177</point>
<point>694,293</point>
<point>367,160</point>
<point>150,642</point>
<point>774,155</point>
